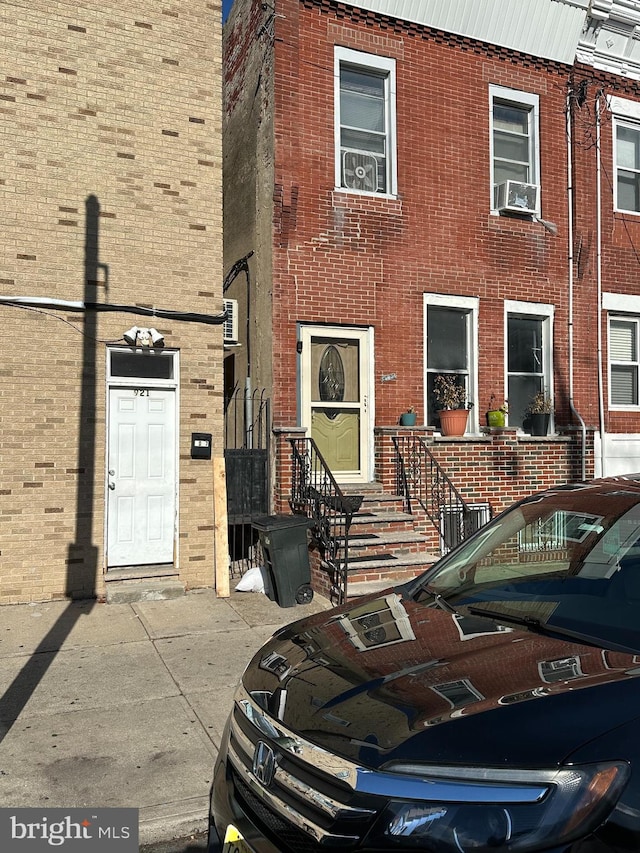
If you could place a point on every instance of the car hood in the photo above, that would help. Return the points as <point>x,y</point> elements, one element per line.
<point>390,679</point>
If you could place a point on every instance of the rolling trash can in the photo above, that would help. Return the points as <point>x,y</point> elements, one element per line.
<point>286,558</point>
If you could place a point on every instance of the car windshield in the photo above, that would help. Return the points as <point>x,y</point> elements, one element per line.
<point>565,562</point>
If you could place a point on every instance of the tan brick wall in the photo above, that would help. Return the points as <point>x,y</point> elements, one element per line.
<point>115,105</point>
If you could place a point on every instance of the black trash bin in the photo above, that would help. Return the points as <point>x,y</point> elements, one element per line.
<point>286,555</point>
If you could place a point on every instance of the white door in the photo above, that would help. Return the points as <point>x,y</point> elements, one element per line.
<point>141,477</point>
<point>336,405</point>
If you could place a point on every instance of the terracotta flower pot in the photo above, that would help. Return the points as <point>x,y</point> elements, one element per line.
<point>453,421</point>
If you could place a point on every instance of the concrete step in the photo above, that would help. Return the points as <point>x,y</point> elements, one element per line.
<point>393,570</point>
<point>156,589</point>
<point>372,580</point>
<point>381,520</point>
<point>382,501</point>
<point>384,547</point>
<point>383,541</point>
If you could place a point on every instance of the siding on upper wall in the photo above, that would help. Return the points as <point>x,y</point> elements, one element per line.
<point>550,29</point>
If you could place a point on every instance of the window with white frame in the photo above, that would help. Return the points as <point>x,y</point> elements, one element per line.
<point>450,345</point>
<point>624,361</point>
<point>365,122</point>
<point>515,154</point>
<point>529,361</point>
<point>626,153</point>
<point>627,159</point>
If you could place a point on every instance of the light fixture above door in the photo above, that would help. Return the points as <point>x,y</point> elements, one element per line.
<point>143,337</point>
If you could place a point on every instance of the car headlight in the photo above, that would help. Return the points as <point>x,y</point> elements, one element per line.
<point>483,809</point>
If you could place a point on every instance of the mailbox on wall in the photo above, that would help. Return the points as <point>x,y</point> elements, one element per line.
<point>201,445</point>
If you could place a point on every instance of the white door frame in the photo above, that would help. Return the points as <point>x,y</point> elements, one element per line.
<point>165,384</point>
<point>365,335</point>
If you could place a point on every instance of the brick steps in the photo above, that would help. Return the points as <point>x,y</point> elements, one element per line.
<point>384,547</point>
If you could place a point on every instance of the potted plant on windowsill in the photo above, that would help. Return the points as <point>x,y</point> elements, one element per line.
<point>451,396</point>
<point>539,413</point>
<point>408,418</point>
<point>497,415</point>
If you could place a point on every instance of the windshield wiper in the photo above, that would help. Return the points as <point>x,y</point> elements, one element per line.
<point>501,616</point>
<point>441,601</point>
<point>540,627</point>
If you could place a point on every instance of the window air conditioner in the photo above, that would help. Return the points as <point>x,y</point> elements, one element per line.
<point>230,325</point>
<point>360,171</point>
<point>516,197</point>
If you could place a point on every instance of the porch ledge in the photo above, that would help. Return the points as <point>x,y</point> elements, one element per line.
<point>148,572</point>
<point>467,437</point>
<point>486,434</point>
<point>289,430</point>
<point>566,439</point>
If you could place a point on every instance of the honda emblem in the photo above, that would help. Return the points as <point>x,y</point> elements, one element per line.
<point>264,763</point>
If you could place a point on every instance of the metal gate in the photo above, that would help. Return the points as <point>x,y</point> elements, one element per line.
<point>247,432</point>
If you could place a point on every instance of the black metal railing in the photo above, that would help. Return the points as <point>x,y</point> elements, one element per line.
<point>316,494</point>
<point>247,431</point>
<point>423,482</point>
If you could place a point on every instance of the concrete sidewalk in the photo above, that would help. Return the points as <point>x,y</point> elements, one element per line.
<point>124,704</point>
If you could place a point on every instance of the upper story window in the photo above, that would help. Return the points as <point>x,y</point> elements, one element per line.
<point>515,154</point>
<point>626,153</point>
<point>365,122</point>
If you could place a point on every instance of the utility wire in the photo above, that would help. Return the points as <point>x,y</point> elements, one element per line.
<point>53,316</point>
<point>71,305</point>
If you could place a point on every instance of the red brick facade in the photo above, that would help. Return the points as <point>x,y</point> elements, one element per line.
<point>338,257</point>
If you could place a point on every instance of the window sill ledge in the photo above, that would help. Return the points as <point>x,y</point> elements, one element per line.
<point>389,204</point>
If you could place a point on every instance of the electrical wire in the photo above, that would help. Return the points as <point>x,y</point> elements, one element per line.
<point>53,316</point>
<point>588,126</point>
<point>74,305</point>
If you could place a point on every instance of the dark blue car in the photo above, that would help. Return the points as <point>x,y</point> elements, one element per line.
<point>491,704</point>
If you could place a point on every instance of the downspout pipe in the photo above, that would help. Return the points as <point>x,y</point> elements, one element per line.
<point>570,200</point>
<point>599,282</point>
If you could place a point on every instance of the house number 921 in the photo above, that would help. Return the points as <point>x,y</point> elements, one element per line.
<point>141,392</point>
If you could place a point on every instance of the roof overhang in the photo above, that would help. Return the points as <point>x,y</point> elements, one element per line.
<point>611,38</point>
<point>550,29</point>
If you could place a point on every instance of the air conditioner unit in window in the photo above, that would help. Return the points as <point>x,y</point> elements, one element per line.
<point>517,197</point>
<point>360,171</point>
<point>230,325</point>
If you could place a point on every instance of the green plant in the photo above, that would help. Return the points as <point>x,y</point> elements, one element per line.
<point>540,404</point>
<point>411,410</point>
<point>493,407</point>
<point>449,391</point>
